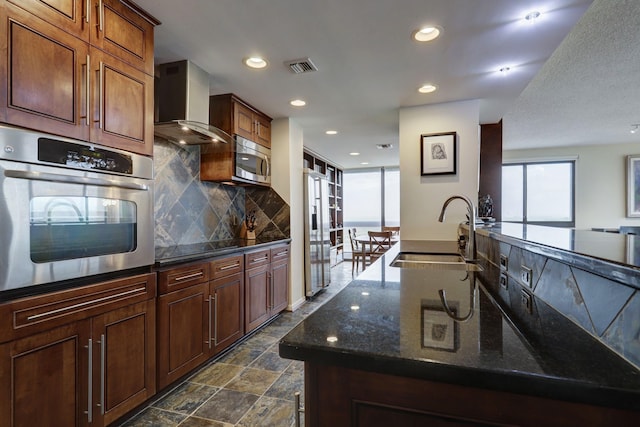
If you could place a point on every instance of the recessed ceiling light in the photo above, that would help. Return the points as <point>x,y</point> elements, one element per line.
<point>298,103</point>
<point>426,34</point>
<point>365,293</point>
<point>355,153</point>
<point>332,339</point>
<point>355,307</point>
<point>428,88</point>
<point>255,62</point>
<point>532,16</point>
<point>364,163</point>
<point>331,132</point>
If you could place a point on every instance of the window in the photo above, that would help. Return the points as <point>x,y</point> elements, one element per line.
<point>371,198</point>
<point>539,193</point>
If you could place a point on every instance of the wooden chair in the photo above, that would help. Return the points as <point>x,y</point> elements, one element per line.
<point>395,231</point>
<point>379,243</point>
<point>356,252</point>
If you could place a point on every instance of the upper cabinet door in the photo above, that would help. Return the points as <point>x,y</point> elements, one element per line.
<point>45,70</point>
<point>123,115</point>
<point>124,33</point>
<point>72,16</point>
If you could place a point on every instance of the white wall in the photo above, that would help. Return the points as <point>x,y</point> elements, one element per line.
<point>421,198</point>
<point>286,180</point>
<point>600,180</point>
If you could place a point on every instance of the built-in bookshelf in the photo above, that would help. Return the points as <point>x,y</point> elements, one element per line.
<point>334,180</point>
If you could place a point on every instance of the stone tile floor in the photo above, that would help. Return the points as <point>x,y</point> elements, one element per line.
<point>249,386</point>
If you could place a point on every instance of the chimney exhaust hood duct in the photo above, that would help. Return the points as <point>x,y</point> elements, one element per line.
<point>182,106</point>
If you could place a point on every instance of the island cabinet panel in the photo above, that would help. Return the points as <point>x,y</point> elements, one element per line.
<point>76,74</point>
<point>337,396</point>
<point>78,357</point>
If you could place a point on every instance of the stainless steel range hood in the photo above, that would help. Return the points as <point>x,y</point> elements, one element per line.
<point>182,106</point>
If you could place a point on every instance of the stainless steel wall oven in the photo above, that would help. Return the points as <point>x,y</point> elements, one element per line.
<point>70,209</point>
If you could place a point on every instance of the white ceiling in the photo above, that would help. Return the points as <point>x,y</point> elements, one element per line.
<point>368,64</point>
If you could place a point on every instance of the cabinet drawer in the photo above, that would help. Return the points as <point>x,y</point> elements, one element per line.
<point>279,252</point>
<point>182,277</point>
<point>35,314</point>
<point>257,258</point>
<point>226,266</point>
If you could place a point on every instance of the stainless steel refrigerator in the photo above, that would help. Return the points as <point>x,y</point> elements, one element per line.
<point>316,235</point>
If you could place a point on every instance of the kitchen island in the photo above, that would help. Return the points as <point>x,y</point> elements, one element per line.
<point>385,352</point>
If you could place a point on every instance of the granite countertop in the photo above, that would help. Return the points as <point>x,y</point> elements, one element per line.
<point>391,320</point>
<point>186,253</point>
<point>612,255</point>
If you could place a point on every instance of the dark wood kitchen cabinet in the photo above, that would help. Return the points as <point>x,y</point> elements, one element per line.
<point>236,117</point>
<point>342,397</point>
<point>84,356</point>
<point>266,285</point>
<point>83,75</point>
<point>200,313</point>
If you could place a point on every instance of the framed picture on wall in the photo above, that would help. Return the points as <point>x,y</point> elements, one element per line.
<point>633,186</point>
<point>438,153</point>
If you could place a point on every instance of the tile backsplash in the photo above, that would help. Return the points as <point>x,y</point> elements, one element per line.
<point>607,310</point>
<point>188,210</point>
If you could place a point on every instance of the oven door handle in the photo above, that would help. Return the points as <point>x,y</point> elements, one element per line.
<point>67,179</point>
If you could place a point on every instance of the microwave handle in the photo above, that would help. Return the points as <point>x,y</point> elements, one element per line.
<point>54,177</point>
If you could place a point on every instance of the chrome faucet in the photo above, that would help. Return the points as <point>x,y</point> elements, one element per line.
<point>472,254</point>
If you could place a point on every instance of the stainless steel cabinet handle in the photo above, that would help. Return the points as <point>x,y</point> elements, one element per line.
<point>210,314</point>
<point>87,12</point>
<point>103,345</point>
<point>67,179</point>
<point>215,320</point>
<point>271,300</point>
<point>264,258</point>
<point>101,16</point>
<point>83,304</point>
<point>227,267</point>
<point>101,91</point>
<point>189,276</point>
<point>88,94</point>
<point>282,253</point>
<point>297,408</point>
<point>89,410</point>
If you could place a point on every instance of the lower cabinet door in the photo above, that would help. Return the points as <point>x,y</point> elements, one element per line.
<point>280,286</point>
<point>44,378</point>
<point>123,360</point>
<point>183,332</point>
<point>228,322</point>
<point>257,282</point>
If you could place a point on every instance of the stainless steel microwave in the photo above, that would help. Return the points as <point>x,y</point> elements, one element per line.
<point>252,162</point>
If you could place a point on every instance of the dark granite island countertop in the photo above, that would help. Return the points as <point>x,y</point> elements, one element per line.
<point>390,320</point>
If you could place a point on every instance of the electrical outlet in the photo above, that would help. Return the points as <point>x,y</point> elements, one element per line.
<point>504,262</point>
<point>527,301</point>
<point>526,275</point>
<point>504,282</point>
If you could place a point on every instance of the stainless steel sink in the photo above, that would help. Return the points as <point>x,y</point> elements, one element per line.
<point>434,261</point>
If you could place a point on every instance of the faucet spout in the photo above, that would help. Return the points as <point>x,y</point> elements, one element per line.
<point>472,254</point>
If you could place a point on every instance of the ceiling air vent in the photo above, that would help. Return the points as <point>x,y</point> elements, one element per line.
<point>299,66</point>
<point>384,146</point>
